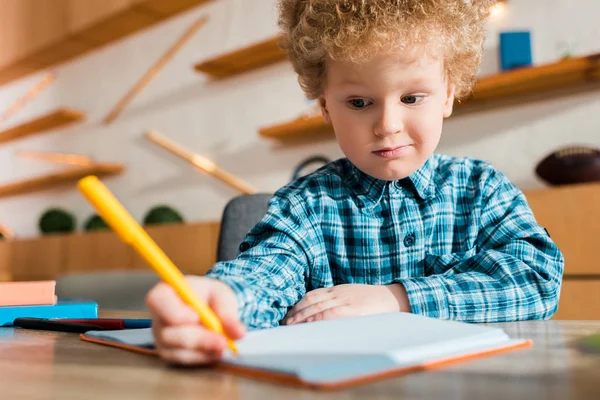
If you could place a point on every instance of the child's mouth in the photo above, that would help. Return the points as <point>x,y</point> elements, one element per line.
<point>391,152</point>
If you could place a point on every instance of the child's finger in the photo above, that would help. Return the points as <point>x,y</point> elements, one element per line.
<point>313,297</point>
<point>164,304</point>
<point>336,312</point>
<point>312,310</point>
<point>190,337</point>
<point>188,357</point>
<point>233,328</point>
<point>224,304</point>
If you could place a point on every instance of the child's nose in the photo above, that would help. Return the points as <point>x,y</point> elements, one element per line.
<point>389,122</point>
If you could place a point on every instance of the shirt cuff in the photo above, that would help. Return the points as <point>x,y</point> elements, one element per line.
<point>427,296</point>
<point>243,296</point>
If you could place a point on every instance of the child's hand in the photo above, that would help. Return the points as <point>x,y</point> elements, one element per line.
<point>178,334</point>
<point>347,301</point>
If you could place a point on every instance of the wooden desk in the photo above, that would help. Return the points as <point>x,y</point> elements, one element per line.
<point>47,365</point>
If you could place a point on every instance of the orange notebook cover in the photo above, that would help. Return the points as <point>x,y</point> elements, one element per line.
<point>345,352</point>
<point>32,293</point>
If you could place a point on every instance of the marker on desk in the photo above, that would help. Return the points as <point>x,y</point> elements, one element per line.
<point>132,233</point>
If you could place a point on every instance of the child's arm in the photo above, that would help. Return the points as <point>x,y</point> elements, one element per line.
<point>515,274</point>
<point>269,274</point>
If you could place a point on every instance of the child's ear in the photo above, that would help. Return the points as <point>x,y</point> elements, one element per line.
<point>449,105</point>
<point>324,111</point>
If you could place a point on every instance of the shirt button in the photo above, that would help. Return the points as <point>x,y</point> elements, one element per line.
<point>409,240</point>
<point>244,246</point>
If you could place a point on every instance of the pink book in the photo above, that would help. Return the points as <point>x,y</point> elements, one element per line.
<point>27,293</point>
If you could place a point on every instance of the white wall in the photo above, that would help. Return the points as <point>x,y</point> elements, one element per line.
<point>220,119</point>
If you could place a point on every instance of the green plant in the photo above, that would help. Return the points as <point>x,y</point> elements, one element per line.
<point>95,223</point>
<point>56,220</point>
<point>162,215</point>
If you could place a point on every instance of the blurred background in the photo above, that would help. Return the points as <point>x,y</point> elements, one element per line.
<point>83,82</point>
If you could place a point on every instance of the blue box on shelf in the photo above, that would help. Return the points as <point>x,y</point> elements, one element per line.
<point>515,50</point>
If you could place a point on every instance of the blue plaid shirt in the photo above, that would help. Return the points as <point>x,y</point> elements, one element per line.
<point>457,234</point>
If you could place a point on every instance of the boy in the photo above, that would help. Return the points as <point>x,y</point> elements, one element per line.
<point>392,227</point>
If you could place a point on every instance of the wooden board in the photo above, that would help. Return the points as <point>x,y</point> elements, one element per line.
<point>5,256</point>
<point>36,34</point>
<point>571,214</point>
<point>58,118</point>
<point>39,258</point>
<point>96,251</point>
<point>248,58</point>
<point>192,247</point>
<point>579,300</point>
<point>65,176</point>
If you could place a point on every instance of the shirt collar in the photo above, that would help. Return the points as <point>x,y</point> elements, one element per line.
<point>422,179</point>
<point>368,187</point>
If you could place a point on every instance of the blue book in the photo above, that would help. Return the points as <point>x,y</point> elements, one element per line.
<point>64,308</point>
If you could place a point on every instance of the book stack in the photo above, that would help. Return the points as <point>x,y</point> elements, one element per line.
<point>37,299</point>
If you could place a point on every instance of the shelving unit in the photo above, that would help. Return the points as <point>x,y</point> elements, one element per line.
<point>57,178</point>
<point>248,58</point>
<point>570,75</point>
<point>55,119</point>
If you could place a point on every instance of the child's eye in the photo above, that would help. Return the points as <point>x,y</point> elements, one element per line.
<point>358,103</point>
<point>411,99</point>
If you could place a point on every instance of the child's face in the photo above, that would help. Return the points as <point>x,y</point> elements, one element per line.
<point>387,114</point>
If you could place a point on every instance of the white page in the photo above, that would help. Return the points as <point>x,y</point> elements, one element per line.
<point>343,349</point>
<point>374,334</point>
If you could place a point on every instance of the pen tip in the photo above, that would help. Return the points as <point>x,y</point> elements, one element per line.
<point>233,348</point>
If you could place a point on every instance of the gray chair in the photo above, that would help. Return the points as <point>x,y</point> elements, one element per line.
<point>239,216</point>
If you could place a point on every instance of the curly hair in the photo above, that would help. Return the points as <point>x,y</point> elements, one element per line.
<point>358,30</point>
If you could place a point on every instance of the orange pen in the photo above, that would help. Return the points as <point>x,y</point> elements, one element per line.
<point>130,232</point>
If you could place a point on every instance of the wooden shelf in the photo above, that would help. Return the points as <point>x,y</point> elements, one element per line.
<point>519,85</point>
<point>512,87</point>
<point>248,58</point>
<point>298,128</point>
<point>57,178</point>
<point>88,28</point>
<point>55,119</point>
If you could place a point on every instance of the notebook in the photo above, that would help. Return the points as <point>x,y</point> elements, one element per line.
<point>27,293</point>
<point>343,352</point>
<point>64,308</point>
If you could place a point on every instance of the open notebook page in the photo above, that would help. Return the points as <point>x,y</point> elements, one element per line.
<point>346,348</point>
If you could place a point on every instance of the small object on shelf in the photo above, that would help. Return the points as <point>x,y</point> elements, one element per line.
<point>515,50</point>
<point>55,119</point>
<point>156,68</point>
<point>67,175</point>
<point>27,97</point>
<point>162,214</point>
<point>239,61</point>
<point>56,220</point>
<point>568,165</point>
<point>62,158</point>
<point>200,162</point>
<point>95,223</point>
